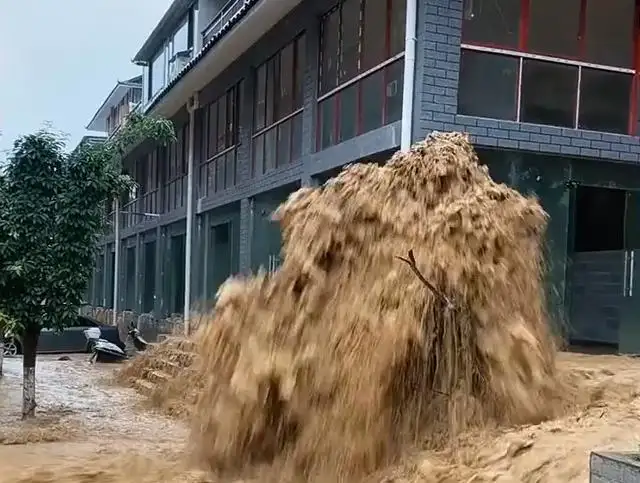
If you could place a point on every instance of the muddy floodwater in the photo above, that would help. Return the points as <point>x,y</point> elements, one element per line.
<point>81,419</point>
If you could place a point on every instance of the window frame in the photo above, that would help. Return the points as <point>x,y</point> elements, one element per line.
<point>522,53</point>
<point>268,111</point>
<point>388,59</point>
<point>210,160</point>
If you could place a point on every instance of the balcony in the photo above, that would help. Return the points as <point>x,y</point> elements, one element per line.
<point>224,16</point>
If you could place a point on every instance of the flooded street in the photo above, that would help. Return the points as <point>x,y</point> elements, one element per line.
<point>82,421</point>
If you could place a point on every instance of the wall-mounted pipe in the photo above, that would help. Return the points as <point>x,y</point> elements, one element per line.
<point>409,74</point>
<point>192,105</point>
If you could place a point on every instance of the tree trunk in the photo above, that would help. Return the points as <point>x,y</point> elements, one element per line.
<point>29,346</point>
<point>1,352</point>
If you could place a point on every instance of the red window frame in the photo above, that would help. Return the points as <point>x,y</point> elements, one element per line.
<point>333,95</point>
<point>523,31</point>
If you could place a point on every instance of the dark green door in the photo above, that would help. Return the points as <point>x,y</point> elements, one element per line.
<point>220,263</point>
<point>149,277</point>
<point>599,265</point>
<point>176,280</point>
<point>629,331</point>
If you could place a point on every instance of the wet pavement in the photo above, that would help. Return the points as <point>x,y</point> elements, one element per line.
<point>80,412</point>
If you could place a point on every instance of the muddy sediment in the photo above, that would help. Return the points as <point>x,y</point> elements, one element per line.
<point>404,338</point>
<point>409,309</point>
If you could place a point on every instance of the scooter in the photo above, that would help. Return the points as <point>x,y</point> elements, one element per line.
<point>101,349</point>
<point>138,341</point>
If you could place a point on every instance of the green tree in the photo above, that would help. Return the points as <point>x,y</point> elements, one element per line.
<point>52,207</point>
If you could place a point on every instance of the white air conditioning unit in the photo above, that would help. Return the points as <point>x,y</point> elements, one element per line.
<point>178,62</point>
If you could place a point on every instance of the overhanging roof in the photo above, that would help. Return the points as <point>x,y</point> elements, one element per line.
<point>120,90</point>
<point>169,21</point>
<point>254,19</point>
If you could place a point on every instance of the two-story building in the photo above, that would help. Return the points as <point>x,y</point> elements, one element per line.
<point>269,95</point>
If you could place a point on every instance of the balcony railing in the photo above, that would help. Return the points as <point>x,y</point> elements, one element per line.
<point>223,17</point>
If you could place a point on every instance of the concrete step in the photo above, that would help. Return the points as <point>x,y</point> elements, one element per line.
<point>170,367</point>
<point>157,376</point>
<point>143,386</point>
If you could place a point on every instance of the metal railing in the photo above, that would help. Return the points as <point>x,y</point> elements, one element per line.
<point>222,18</point>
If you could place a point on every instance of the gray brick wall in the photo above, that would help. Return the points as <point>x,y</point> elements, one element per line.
<point>438,65</point>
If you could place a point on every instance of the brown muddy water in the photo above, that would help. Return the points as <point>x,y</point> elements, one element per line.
<point>84,427</point>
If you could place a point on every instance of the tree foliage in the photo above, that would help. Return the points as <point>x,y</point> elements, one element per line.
<point>52,207</point>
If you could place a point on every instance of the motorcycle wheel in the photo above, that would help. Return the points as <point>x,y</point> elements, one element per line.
<point>10,349</point>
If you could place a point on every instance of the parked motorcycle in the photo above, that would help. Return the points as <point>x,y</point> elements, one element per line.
<point>138,341</point>
<point>101,349</point>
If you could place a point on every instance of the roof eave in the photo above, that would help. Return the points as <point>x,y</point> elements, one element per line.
<point>175,12</point>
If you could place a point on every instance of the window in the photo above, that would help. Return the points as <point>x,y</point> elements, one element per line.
<point>157,76</point>
<point>277,140</point>
<point>488,85</point>
<point>175,187</point>
<point>604,101</point>
<point>548,93</point>
<point>491,22</point>
<point>219,127</point>
<point>554,27</point>
<point>362,46</point>
<point>568,64</point>
<point>180,41</point>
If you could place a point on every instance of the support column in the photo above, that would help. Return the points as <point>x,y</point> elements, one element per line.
<point>138,280</point>
<point>116,264</point>
<point>191,107</point>
<point>246,235</point>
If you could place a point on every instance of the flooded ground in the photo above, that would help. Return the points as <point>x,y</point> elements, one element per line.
<point>89,430</point>
<point>82,420</point>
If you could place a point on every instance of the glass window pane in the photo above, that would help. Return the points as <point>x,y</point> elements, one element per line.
<point>231,116</point>
<point>271,90</point>
<point>326,110</point>
<point>220,174</point>
<point>373,96</point>
<point>549,93</point>
<point>397,27</point>
<point>222,123</point>
<point>211,183</point>
<point>285,94</point>
<point>482,73</point>
<point>213,129</point>
<point>284,144</point>
<point>202,181</point>
<point>329,54</point>
<point>230,169</point>
<point>350,36</point>
<point>261,91</point>
<point>270,150</point>
<point>300,68</point>
<point>609,32</point>
<point>296,137</point>
<point>258,155</point>
<point>181,39</point>
<point>491,22</point>
<point>553,27</point>
<point>374,48</point>
<point>348,113</point>
<point>158,71</point>
<point>394,76</point>
<point>605,99</point>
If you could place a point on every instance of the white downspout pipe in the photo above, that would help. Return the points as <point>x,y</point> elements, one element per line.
<point>409,74</point>
<point>192,105</point>
<point>116,256</point>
